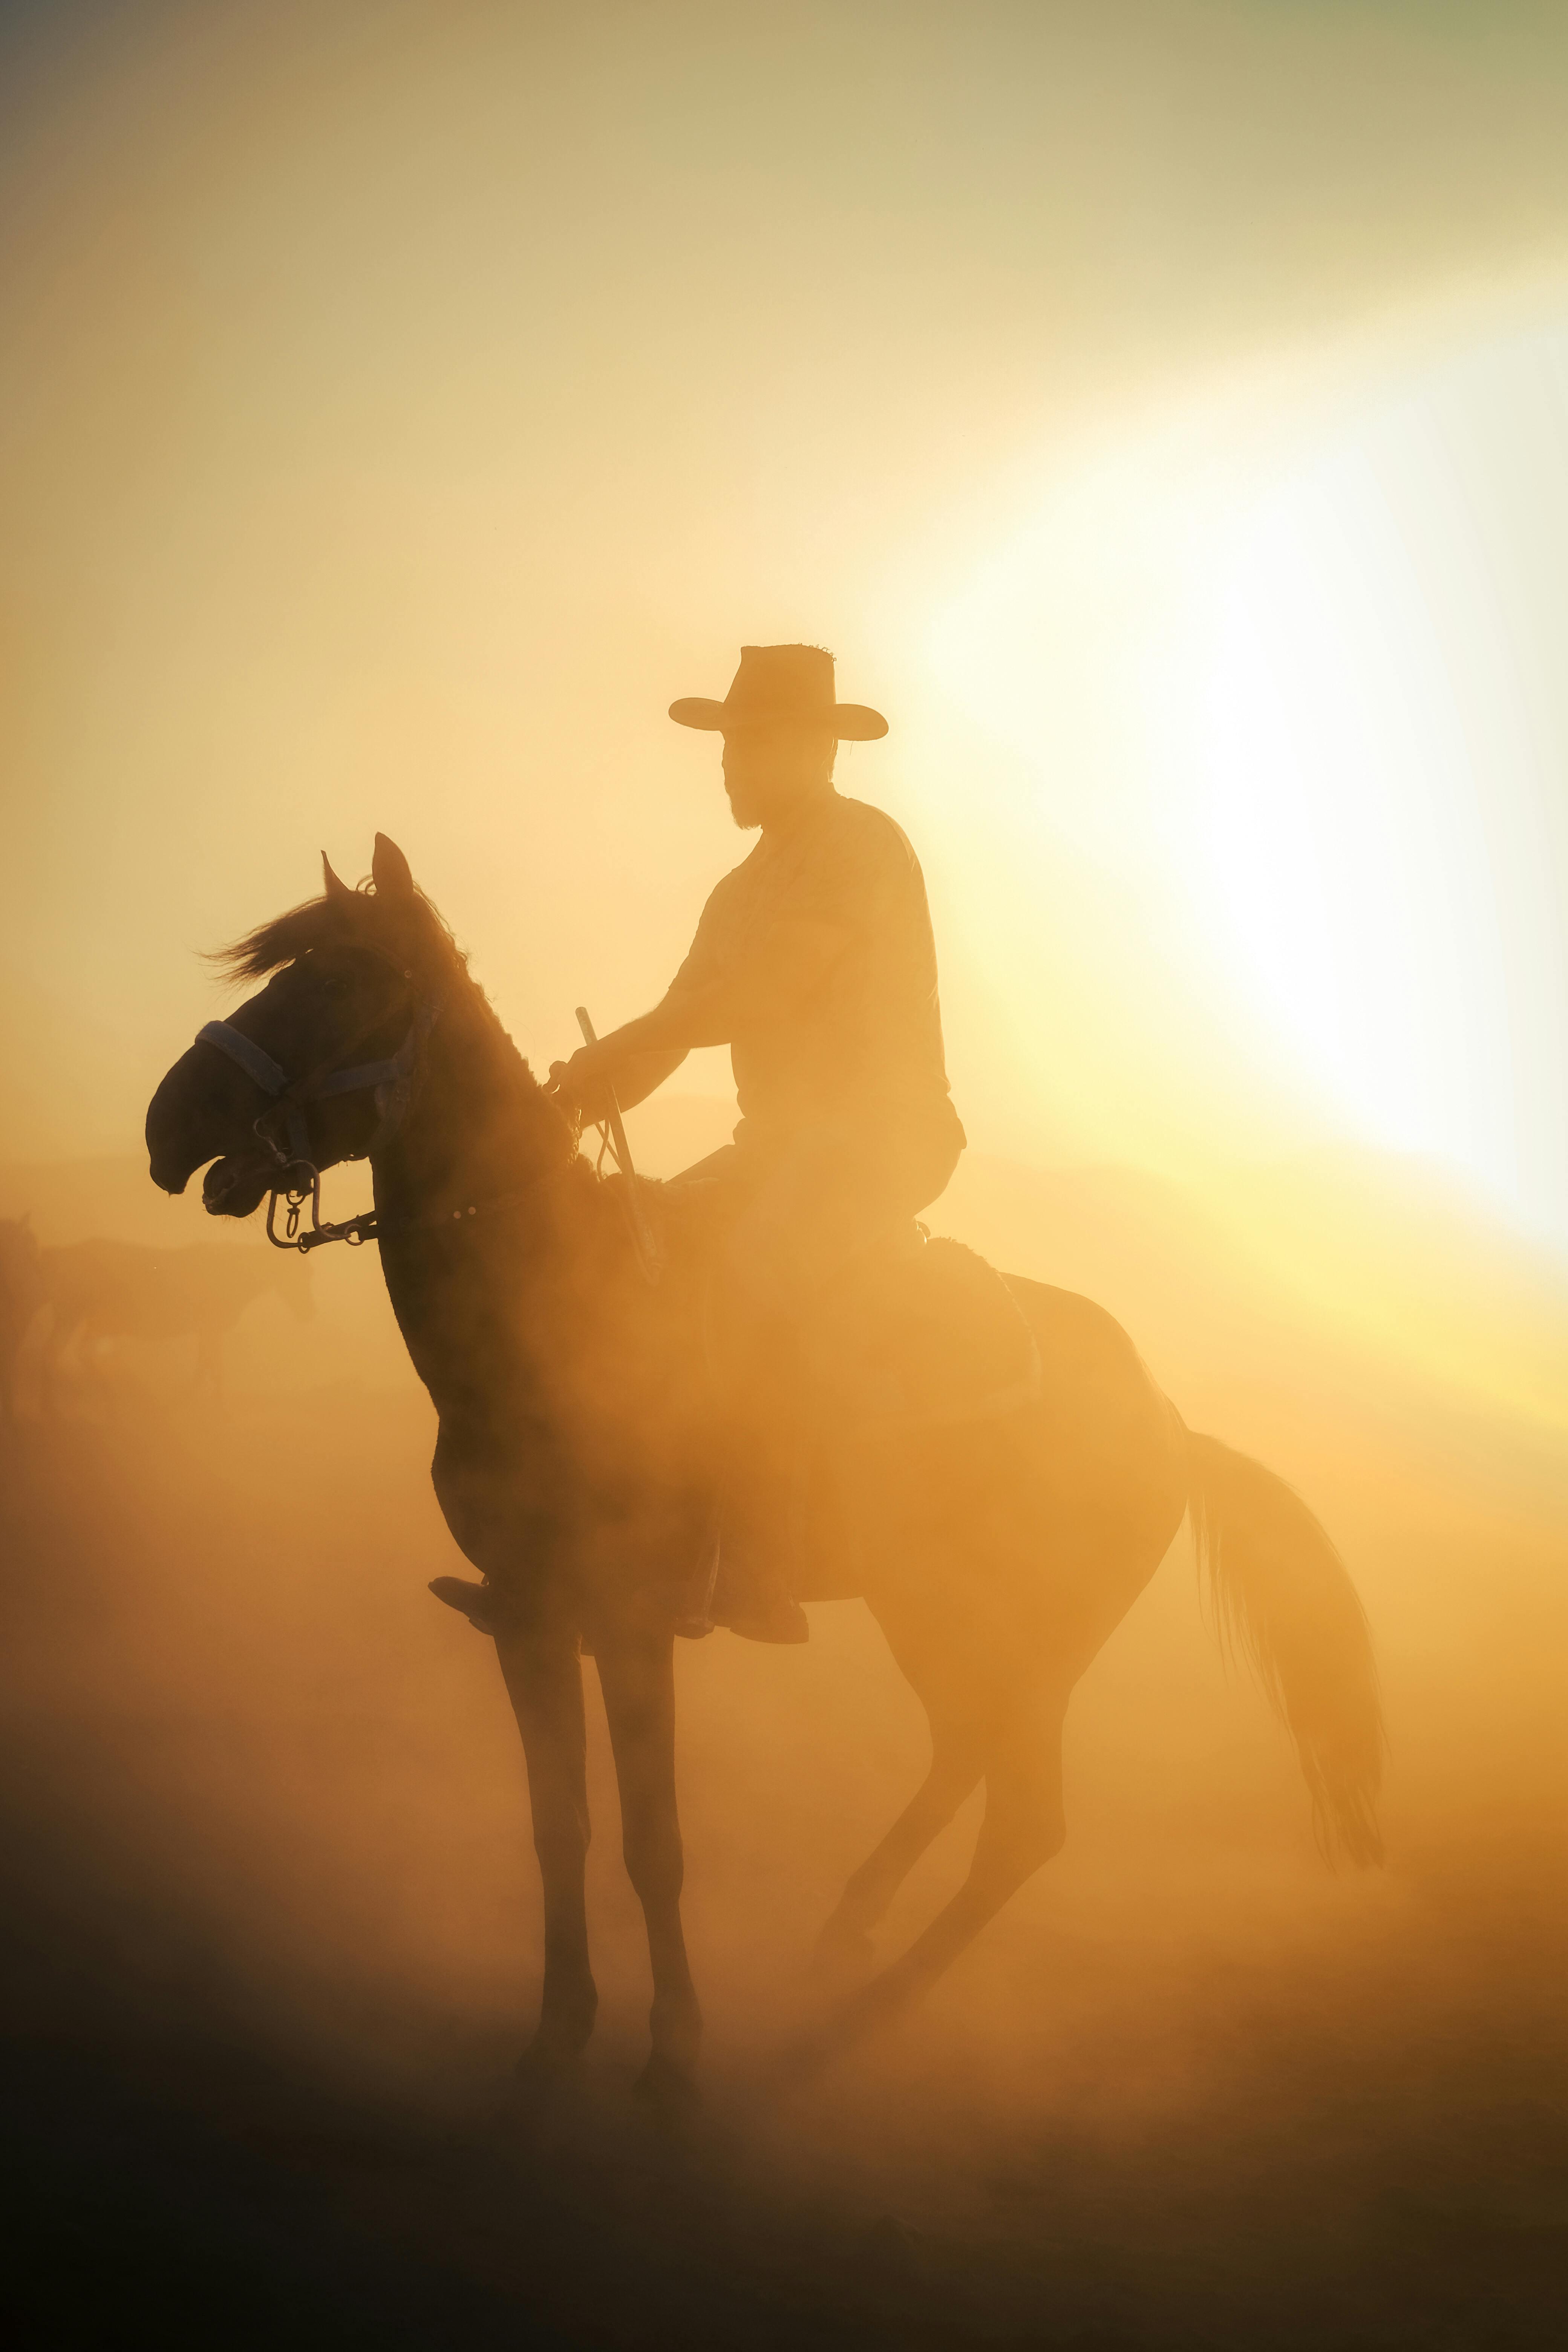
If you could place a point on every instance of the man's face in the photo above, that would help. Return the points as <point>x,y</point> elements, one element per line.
<point>769,764</point>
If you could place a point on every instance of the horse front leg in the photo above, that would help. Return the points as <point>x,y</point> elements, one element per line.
<point>544,1682</point>
<point>636,1672</point>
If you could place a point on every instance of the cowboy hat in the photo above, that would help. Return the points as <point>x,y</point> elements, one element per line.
<point>782,682</point>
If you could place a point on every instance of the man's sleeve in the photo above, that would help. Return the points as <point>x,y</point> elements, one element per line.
<point>704,959</point>
<point>858,875</point>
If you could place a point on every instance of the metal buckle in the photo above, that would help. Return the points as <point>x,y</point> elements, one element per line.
<point>295,1196</point>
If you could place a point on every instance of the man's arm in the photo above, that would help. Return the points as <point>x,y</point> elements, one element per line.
<point>637,1078</point>
<point>778,975</point>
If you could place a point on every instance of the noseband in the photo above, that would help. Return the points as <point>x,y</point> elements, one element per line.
<point>391,1082</point>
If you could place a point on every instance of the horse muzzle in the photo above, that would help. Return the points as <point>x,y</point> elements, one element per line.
<point>237,1184</point>
<point>186,1128</point>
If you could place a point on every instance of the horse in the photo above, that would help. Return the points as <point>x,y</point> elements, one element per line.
<point>575,1465</point>
<point>122,1290</point>
<point>21,1294</point>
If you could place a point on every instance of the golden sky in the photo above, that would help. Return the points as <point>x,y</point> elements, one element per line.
<point>1161,409</point>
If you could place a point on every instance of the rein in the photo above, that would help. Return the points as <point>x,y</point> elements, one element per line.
<point>371,1226</point>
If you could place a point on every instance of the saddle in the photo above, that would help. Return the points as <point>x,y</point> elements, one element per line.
<point>913,1335</point>
<point>912,1330</point>
<point>932,1337</point>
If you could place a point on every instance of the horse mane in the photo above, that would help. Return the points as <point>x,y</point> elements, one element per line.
<point>340,921</point>
<point>414,932</point>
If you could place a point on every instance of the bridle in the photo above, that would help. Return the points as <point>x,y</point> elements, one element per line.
<point>393,1083</point>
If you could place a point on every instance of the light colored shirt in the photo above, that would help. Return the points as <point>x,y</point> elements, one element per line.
<point>867,1042</point>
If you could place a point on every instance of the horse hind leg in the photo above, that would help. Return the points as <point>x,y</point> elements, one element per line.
<point>1023,1828</point>
<point>956,1768</point>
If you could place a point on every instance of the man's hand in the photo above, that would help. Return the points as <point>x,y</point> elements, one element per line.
<point>582,1085</point>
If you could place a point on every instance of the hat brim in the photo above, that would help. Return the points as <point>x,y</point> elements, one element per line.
<point>852,722</point>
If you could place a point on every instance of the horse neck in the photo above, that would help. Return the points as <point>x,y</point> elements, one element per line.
<point>479,1131</point>
<point>478,1123</point>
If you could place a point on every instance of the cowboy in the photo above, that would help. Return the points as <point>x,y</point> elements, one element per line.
<point>814,963</point>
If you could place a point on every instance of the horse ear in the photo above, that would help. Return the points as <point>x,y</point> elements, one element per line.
<point>389,871</point>
<point>336,890</point>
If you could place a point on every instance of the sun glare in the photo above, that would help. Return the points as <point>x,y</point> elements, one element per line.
<point>1381,752</point>
<point>1346,830</point>
<point>1307,698</point>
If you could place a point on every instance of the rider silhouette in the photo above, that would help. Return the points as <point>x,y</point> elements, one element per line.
<point>814,963</point>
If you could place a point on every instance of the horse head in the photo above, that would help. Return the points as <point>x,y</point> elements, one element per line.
<point>345,976</point>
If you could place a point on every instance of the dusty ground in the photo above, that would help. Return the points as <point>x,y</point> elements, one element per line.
<point>273,1928</point>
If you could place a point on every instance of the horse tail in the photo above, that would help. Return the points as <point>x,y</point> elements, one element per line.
<point>1282,1597</point>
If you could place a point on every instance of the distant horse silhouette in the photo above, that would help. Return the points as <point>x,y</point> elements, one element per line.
<point>574,1468</point>
<point>101,1290</point>
<point>21,1294</point>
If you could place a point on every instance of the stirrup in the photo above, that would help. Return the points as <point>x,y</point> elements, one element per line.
<point>482,1604</point>
<point>758,1608</point>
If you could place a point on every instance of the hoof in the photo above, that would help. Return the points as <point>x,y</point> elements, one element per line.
<point>546,2077</point>
<point>842,1956</point>
<point>666,2094</point>
<point>555,2053</point>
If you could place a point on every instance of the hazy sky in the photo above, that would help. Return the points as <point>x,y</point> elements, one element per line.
<point>1161,409</point>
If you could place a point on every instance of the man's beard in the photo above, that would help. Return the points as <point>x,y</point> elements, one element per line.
<point>744,808</point>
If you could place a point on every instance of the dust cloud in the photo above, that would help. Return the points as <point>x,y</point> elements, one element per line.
<point>402,405</point>
<point>275,1920</point>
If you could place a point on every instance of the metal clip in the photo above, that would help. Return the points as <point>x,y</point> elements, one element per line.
<point>295,1196</point>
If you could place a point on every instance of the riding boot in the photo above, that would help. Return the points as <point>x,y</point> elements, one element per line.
<point>757,1553</point>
